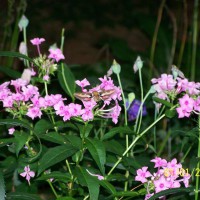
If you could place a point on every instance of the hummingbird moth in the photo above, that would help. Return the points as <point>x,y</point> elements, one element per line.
<point>177,71</point>
<point>95,95</point>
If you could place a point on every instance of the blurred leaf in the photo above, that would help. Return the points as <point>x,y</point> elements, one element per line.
<point>126,194</point>
<point>10,72</point>
<point>115,130</point>
<point>55,155</point>
<point>170,113</point>
<point>15,122</point>
<point>42,126</point>
<point>89,181</point>
<point>164,102</point>
<point>65,198</point>
<point>20,138</point>
<point>53,137</point>
<point>171,191</point>
<point>85,129</point>
<point>114,146</point>
<point>4,142</point>
<point>74,140</point>
<point>56,175</point>
<point>2,187</point>
<point>97,150</point>
<point>22,196</point>
<point>16,54</point>
<point>66,80</point>
<point>108,186</point>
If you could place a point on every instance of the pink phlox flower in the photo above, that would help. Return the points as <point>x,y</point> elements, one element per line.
<point>29,91</point>
<point>82,83</point>
<point>56,54</point>
<point>33,73</point>
<point>4,85</point>
<point>51,100</point>
<point>34,112</point>
<point>182,112</point>
<point>28,173</point>
<point>115,113</point>
<point>166,82</point>
<point>89,104</point>
<point>66,113</point>
<point>147,196</point>
<point>159,162</point>
<point>161,184</point>
<point>197,104</point>
<point>174,184</point>
<point>75,109</point>
<point>42,102</point>
<point>37,41</point>
<point>59,108</point>
<point>46,77</point>
<point>11,131</point>
<point>4,93</point>
<point>173,164</point>
<point>106,83</point>
<point>186,178</point>
<point>182,85</point>
<point>97,175</point>
<point>117,94</point>
<point>87,114</point>
<point>142,174</point>
<point>192,88</point>
<point>8,102</point>
<point>18,97</point>
<point>18,83</point>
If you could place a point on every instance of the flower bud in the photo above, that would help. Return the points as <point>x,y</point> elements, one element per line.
<point>116,68</point>
<point>23,22</point>
<point>138,64</point>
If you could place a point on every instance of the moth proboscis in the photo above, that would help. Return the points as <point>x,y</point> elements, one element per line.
<point>95,95</point>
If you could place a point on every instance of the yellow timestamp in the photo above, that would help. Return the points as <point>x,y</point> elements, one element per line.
<point>181,172</point>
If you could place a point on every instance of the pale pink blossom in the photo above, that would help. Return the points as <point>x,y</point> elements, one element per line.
<point>34,112</point>
<point>161,184</point>
<point>159,162</point>
<point>143,174</point>
<point>56,54</point>
<point>82,83</point>
<point>37,41</point>
<point>28,173</point>
<point>11,131</point>
<point>46,77</point>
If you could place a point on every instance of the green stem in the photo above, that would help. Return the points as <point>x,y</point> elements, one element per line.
<point>134,141</point>
<point>62,39</point>
<point>194,39</point>
<point>25,42</point>
<point>54,191</point>
<point>124,100</point>
<point>198,163</point>
<point>154,132</point>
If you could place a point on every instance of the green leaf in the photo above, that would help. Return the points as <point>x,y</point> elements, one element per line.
<point>16,54</point>
<point>15,122</point>
<point>98,152</point>
<point>89,181</point>
<point>42,126</point>
<point>74,140</point>
<point>2,187</point>
<point>53,137</point>
<point>10,72</point>
<point>108,186</point>
<point>164,102</point>
<point>4,142</point>
<point>85,129</point>
<point>170,113</point>
<point>66,80</point>
<point>20,138</point>
<point>171,191</point>
<point>65,177</point>
<point>65,198</point>
<point>115,130</point>
<point>126,194</point>
<point>22,196</point>
<point>55,155</point>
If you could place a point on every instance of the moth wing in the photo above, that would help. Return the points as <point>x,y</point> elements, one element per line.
<point>83,96</point>
<point>106,94</point>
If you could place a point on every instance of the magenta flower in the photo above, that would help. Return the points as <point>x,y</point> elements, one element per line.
<point>37,41</point>
<point>56,54</point>
<point>34,112</point>
<point>82,83</point>
<point>142,174</point>
<point>159,162</point>
<point>11,131</point>
<point>28,173</point>
<point>161,184</point>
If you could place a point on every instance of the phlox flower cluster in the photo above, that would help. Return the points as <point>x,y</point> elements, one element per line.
<point>169,88</point>
<point>20,99</point>
<point>46,64</point>
<point>91,107</point>
<point>168,175</point>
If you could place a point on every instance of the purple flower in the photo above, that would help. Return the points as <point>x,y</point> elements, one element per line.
<point>27,173</point>
<point>134,108</point>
